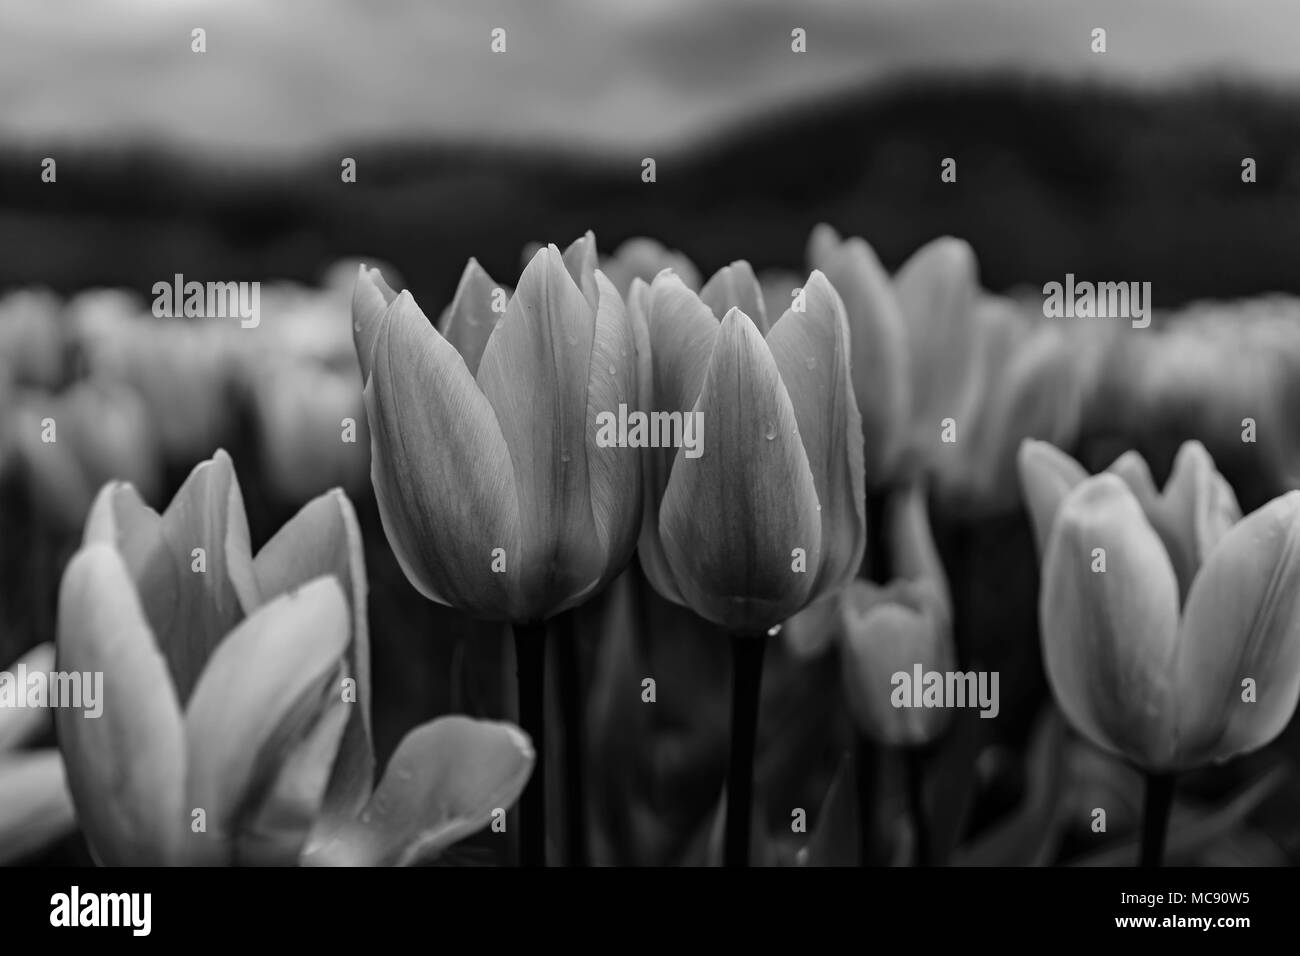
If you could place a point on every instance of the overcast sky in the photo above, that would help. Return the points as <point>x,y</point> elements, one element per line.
<point>281,75</point>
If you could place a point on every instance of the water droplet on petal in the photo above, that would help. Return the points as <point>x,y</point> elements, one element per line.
<point>774,631</point>
<point>564,456</point>
<point>810,363</point>
<point>356,326</point>
<point>770,434</point>
<point>612,369</point>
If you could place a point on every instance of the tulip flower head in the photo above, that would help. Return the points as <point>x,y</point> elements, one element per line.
<point>494,494</point>
<point>893,628</point>
<point>1170,623</point>
<point>235,726</point>
<point>772,515</point>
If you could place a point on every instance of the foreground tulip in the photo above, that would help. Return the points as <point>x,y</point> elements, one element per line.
<point>1170,624</point>
<point>768,514</point>
<point>35,807</point>
<point>495,493</point>
<point>236,712</point>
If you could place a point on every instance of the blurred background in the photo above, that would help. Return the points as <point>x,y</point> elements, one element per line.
<point>225,165</point>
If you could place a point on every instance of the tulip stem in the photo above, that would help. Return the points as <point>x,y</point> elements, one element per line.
<point>914,768</point>
<point>864,770</point>
<point>530,669</point>
<point>569,687</point>
<point>1155,817</point>
<point>746,680</point>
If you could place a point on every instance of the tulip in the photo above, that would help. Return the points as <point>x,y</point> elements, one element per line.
<point>493,491</point>
<point>35,807</point>
<point>890,629</point>
<point>236,721</point>
<point>770,516</point>
<point>33,338</point>
<point>643,258</point>
<point>1185,649</point>
<point>303,408</point>
<point>97,432</point>
<point>878,341</point>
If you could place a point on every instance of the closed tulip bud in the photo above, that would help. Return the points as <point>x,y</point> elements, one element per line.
<point>1171,629</point>
<point>878,342</point>
<point>493,491</point>
<point>32,338</point>
<point>896,628</point>
<point>769,514</point>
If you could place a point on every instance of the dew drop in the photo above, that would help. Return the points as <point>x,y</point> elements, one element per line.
<point>356,326</point>
<point>810,363</point>
<point>770,434</point>
<point>774,631</point>
<point>564,456</point>
<point>612,369</point>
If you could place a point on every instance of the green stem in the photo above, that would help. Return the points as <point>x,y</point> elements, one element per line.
<point>746,681</point>
<point>1155,817</point>
<point>914,764</point>
<point>530,668</point>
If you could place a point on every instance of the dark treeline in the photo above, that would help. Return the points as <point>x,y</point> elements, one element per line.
<point>1052,178</point>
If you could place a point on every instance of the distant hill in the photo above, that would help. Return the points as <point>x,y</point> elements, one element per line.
<point>1052,177</point>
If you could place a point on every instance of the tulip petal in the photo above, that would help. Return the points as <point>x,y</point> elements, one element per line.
<point>370,301</point>
<point>736,287</point>
<point>614,473</point>
<point>580,262</point>
<point>731,519</point>
<point>468,322</point>
<point>443,783</point>
<point>878,348</point>
<point>126,767</point>
<point>1039,394</point>
<point>1047,475</point>
<point>191,611</point>
<point>643,258</point>
<point>1199,503</point>
<point>35,807</point>
<point>20,726</point>
<point>811,351</point>
<point>324,538</point>
<point>936,288</point>
<point>681,330</point>
<point>1242,620</point>
<point>535,374</point>
<point>440,467</point>
<point>823,242</point>
<point>266,684</point>
<point>1109,637</point>
<point>275,833</point>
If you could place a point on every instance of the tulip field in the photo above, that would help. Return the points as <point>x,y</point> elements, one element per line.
<point>648,437</point>
<point>236,528</point>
